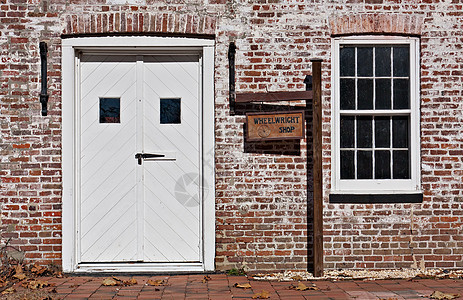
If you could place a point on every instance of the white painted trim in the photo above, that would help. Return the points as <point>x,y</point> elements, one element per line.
<point>140,268</point>
<point>151,45</point>
<point>67,138</point>
<point>378,186</point>
<point>208,159</point>
<point>125,43</point>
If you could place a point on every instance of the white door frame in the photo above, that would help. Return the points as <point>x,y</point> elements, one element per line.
<point>70,146</point>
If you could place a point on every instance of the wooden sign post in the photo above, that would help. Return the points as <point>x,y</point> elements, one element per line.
<point>275,126</point>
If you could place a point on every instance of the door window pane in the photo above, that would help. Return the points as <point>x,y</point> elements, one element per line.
<point>170,111</point>
<point>110,110</point>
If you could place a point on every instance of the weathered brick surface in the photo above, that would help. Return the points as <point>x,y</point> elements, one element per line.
<point>261,188</point>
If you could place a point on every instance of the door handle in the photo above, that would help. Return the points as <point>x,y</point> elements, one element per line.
<point>141,156</point>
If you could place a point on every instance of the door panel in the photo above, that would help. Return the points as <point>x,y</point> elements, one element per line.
<point>149,212</point>
<point>172,78</point>
<point>108,181</point>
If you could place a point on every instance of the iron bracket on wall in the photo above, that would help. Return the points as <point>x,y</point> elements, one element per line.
<point>231,76</point>
<point>43,92</point>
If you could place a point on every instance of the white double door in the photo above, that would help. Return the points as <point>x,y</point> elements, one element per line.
<point>144,209</point>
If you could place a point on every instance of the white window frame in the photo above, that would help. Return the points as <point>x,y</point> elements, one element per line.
<point>372,186</point>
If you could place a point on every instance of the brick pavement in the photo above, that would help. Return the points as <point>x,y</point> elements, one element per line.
<point>221,287</point>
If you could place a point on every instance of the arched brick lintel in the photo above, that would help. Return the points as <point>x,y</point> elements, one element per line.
<point>376,24</point>
<point>131,23</point>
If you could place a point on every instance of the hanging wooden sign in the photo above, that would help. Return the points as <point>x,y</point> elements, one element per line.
<point>275,126</point>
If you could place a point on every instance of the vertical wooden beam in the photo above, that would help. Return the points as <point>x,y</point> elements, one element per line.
<point>317,169</point>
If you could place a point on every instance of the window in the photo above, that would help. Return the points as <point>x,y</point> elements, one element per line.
<point>375,115</point>
<point>110,110</point>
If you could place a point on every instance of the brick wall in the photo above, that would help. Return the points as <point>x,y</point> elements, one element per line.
<point>263,216</point>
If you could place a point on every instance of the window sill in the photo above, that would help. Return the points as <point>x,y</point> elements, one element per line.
<point>376,198</point>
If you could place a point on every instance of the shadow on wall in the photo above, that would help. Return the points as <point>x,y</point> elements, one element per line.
<point>289,148</point>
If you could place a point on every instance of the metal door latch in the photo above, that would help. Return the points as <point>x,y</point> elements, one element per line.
<point>141,156</point>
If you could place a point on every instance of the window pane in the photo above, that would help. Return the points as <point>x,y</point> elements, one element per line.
<point>382,164</point>
<point>364,165</point>
<point>347,165</point>
<point>347,96</point>
<point>383,94</point>
<point>364,132</point>
<point>401,165</point>
<point>365,94</point>
<point>401,94</point>
<point>401,61</point>
<point>347,60</point>
<point>382,132</point>
<point>383,61</point>
<point>347,132</point>
<point>365,61</point>
<point>170,111</point>
<point>110,110</point>
<point>400,132</point>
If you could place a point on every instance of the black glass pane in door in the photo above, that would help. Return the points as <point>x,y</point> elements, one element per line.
<point>110,110</point>
<point>170,111</point>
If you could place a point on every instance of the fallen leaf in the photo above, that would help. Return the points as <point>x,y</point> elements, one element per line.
<point>443,296</point>
<point>132,281</point>
<point>303,287</point>
<point>39,270</point>
<point>9,290</point>
<point>109,282</point>
<point>20,276</point>
<point>262,295</point>
<point>297,278</point>
<point>36,284</point>
<point>242,285</point>
<point>206,278</point>
<point>156,282</point>
<point>19,273</point>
